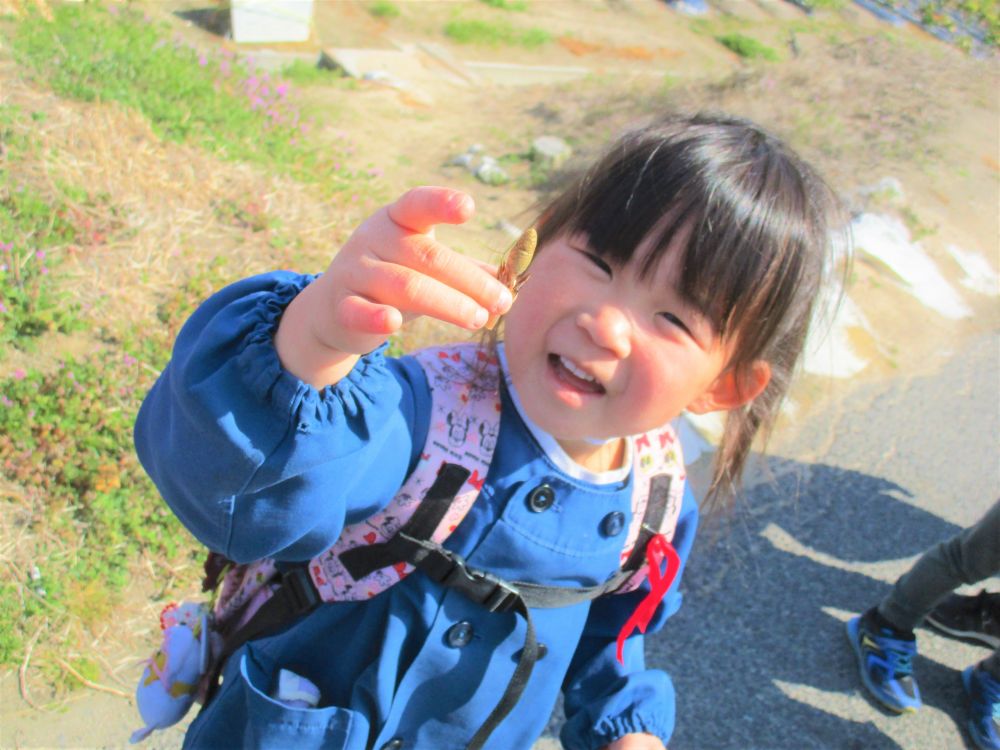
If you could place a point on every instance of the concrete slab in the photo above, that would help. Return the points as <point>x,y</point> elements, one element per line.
<point>512,74</point>
<point>420,68</point>
<point>409,69</point>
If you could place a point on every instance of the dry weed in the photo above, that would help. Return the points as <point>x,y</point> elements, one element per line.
<point>157,211</point>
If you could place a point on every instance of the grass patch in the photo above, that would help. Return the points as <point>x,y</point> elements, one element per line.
<point>495,34</point>
<point>213,101</point>
<point>748,47</point>
<point>825,4</point>
<point>34,236</point>
<point>306,74</point>
<point>518,6</point>
<point>66,440</point>
<point>383,9</point>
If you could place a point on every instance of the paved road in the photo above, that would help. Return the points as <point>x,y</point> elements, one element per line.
<point>757,652</point>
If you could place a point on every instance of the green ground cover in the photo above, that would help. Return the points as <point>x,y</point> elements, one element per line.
<point>82,510</point>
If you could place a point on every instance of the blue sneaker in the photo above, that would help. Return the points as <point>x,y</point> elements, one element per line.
<point>984,707</point>
<point>885,662</point>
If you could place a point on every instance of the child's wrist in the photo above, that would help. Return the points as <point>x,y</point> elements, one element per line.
<point>302,353</point>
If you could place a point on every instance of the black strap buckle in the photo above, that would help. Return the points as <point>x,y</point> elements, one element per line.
<point>450,569</point>
<point>298,589</point>
<point>492,592</point>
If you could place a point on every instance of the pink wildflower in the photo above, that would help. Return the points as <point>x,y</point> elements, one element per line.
<point>20,374</point>
<point>202,60</point>
<point>40,254</point>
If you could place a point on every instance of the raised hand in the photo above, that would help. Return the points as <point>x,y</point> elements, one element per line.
<point>391,270</point>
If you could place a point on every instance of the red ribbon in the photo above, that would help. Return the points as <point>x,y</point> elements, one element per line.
<point>657,550</point>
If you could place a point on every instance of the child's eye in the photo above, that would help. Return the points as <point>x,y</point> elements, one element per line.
<point>599,262</point>
<point>674,320</point>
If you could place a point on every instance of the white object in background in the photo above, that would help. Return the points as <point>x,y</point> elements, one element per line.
<point>271,20</point>
<point>979,276</point>
<point>828,347</point>
<point>887,238</point>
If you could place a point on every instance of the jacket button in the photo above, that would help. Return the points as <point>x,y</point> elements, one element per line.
<point>394,744</point>
<point>541,498</point>
<point>458,635</point>
<point>613,523</point>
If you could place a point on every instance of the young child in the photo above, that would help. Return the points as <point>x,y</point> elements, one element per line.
<point>678,274</point>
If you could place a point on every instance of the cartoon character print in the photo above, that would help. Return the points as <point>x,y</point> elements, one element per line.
<point>488,435</point>
<point>240,585</point>
<point>459,426</point>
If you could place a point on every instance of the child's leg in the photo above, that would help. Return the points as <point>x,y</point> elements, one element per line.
<point>968,557</point>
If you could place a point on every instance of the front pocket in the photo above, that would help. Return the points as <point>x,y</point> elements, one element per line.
<point>271,725</point>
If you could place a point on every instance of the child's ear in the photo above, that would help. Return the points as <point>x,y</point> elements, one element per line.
<point>733,388</point>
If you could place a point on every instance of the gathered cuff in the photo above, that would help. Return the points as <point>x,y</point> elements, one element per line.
<point>266,379</point>
<point>608,729</point>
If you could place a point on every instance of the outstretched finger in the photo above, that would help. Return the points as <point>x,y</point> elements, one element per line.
<point>419,209</point>
<point>414,294</point>
<point>365,317</point>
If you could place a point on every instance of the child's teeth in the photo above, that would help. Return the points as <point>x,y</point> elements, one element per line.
<point>576,370</point>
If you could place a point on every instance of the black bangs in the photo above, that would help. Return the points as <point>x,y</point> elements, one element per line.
<point>730,191</point>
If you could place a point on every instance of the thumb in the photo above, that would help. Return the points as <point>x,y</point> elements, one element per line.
<point>419,209</point>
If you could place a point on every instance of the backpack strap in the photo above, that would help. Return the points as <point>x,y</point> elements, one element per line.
<point>657,496</point>
<point>454,462</point>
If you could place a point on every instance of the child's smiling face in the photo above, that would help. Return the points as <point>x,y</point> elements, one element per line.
<point>596,352</point>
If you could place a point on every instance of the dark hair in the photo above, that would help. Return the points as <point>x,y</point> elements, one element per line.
<point>758,222</point>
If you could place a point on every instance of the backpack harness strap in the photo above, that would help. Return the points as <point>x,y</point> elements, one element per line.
<point>409,532</point>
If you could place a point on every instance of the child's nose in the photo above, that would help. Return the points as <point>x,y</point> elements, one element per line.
<point>610,328</point>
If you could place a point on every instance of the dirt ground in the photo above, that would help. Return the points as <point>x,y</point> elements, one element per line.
<point>860,100</point>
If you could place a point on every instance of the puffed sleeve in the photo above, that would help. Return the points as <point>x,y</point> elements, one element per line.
<point>605,700</point>
<point>252,460</point>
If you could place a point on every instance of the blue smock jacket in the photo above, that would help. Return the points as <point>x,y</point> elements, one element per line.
<point>258,464</point>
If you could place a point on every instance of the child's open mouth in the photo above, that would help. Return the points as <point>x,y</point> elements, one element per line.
<point>570,374</point>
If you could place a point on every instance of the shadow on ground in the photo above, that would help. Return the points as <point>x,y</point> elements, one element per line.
<point>758,653</point>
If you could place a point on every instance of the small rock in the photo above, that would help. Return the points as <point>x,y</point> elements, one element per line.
<point>550,151</point>
<point>463,160</point>
<point>689,7</point>
<point>491,173</point>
